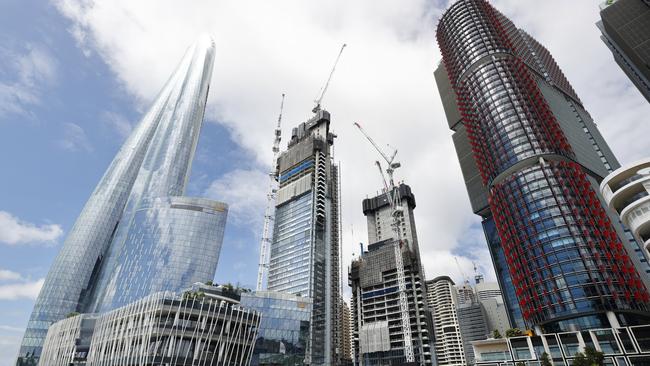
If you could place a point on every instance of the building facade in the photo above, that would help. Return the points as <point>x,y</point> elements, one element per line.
<point>625,28</point>
<point>284,330</point>
<point>473,326</point>
<point>203,326</point>
<point>627,191</point>
<point>304,252</point>
<point>109,257</point>
<point>442,300</point>
<point>496,314</point>
<point>346,339</point>
<point>378,337</point>
<point>625,346</point>
<point>532,159</point>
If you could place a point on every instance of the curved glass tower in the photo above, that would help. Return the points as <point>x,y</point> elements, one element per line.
<point>565,257</point>
<point>134,215</point>
<point>152,223</point>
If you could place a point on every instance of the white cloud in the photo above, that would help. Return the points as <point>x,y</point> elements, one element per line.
<point>27,74</point>
<point>10,328</point>
<point>385,81</point>
<point>9,346</point>
<point>14,231</point>
<point>24,290</point>
<point>245,193</point>
<point>7,275</point>
<point>74,138</point>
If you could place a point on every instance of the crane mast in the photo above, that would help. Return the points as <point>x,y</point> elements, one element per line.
<point>397,212</point>
<point>269,214</point>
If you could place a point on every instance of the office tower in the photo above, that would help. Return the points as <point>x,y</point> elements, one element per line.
<point>625,28</point>
<point>284,330</point>
<point>532,159</point>
<point>346,340</point>
<point>304,253</point>
<point>202,326</point>
<point>442,300</point>
<point>496,314</point>
<point>378,335</point>
<point>136,235</point>
<point>473,326</point>
<point>486,290</point>
<point>626,191</point>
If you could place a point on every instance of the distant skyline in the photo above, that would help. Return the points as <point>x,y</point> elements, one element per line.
<point>75,78</point>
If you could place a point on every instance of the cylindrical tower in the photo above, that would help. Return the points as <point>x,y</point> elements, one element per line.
<point>567,262</point>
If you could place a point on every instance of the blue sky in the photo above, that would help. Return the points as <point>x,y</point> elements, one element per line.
<point>76,75</point>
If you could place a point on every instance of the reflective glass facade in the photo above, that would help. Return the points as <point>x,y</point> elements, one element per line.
<point>304,252</point>
<point>564,255</point>
<point>289,268</point>
<point>284,331</point>
<point>173,241</point>
<point>127,272</point>
<point>153,163</point>
<point>500,264</point>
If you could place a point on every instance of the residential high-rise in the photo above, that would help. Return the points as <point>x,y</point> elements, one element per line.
<point>532,159</point>
<point>136,235</point>
<point>378,335</point>
<point>626,191</point>
<point>625,28</point>
<point>346,340</point>
<point>304,252</point>
<point>442,300</point>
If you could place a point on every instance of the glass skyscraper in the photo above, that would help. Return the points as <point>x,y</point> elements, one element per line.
<point>137,235</point>
<point>304,253</point>
<point>532,159</point>
<point>625,27</point>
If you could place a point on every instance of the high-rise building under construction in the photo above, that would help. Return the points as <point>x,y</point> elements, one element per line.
<point>378,334</point>
<point>532,159</point>
<point>304,252</point>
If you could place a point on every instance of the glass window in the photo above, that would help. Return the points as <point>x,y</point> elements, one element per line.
<point>570,344</point>
<point>607,341</point>
<point>520,348</point>
<point>642,335</point>
<point>626,340</point>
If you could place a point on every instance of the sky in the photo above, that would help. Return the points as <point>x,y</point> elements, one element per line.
<point>77,75</point>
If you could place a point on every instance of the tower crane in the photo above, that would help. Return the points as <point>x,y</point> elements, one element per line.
<point>319,99</point>
<point>269,214</point>
<point>397,212</point>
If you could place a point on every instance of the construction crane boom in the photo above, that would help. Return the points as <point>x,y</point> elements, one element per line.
<point>319,99</point>
<point>393,197</point>
<point>269,214</point>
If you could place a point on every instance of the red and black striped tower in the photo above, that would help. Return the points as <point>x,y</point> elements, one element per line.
<point>566,260</point>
